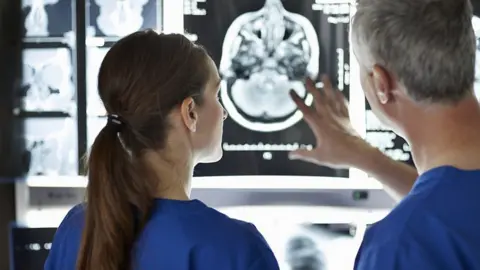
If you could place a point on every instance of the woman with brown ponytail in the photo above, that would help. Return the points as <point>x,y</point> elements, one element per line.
<point>164,117</point>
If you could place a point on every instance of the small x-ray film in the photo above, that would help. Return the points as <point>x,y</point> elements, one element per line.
<point>47,18</point>
<point>47,83</point>
<point>264,49</point>
<point>52,144</point>
<point>118,18</point>
<point>313,246</point>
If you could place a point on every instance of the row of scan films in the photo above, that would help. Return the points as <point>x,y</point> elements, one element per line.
<point>48,73</point>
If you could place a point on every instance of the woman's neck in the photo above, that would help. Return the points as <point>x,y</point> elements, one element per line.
<point>173,176</point>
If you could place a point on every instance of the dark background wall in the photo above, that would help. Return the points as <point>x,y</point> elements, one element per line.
<point>10,64</point>
<point>7,215</point>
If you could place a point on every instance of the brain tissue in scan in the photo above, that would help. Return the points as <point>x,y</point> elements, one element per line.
<point>51,144</point>
<point>120,17</point>
<point>47,80</point>
<point>265,54</point>
<point>476,28</point>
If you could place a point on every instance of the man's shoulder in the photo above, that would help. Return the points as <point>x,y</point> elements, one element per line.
<point>420,233</point>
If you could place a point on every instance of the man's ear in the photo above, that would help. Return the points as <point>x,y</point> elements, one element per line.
<point>188,111</point>
<point>382,83</point>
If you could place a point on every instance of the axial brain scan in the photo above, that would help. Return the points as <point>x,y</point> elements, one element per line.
<point>47,80</point>
<point>120,17</point>
<point>476,28</point>
<point>266,53</point>
<point>52,146</point>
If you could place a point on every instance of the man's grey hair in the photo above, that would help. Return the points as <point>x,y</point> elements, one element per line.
<point>429,45</point>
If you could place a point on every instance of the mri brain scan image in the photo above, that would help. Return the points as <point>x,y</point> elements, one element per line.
<point>52,145</point>
<point>476,28</point>
<point>47,80</point>
<point>120,17</point>
<point>265,54</point>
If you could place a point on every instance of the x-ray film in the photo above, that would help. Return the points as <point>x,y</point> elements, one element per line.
<point>47,18</point>
<point>264,49</point>
<point>119,18</point>
<point>52,143</point>
<point>312,247</point>
<point>95,57</point>
<point>47,80</point>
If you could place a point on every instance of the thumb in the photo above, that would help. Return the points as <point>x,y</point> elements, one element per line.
<point>303,154</point>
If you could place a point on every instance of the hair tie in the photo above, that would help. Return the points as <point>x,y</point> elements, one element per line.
<point>115,121</point>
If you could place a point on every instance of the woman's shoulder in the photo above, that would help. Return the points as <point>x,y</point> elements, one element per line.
<point>223,237</point>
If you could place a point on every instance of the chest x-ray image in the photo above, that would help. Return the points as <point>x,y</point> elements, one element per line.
<point>47,18</point>
<point>121,17</point>
<point>265,54</point>
<point>264,49</point>
<point>476,28</point>
<point>52,144</point>
<point>311,247</point>
<point>47,80</point>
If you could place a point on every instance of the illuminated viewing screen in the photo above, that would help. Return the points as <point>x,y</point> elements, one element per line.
<point>265,48</point>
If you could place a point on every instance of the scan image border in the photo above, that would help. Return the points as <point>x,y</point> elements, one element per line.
<point>312,70</point>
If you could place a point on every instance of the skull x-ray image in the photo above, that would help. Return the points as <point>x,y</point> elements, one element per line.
<point>265,54</point>
<point>476,28</point>
<point>47,80</point>
<point>263,49</point>
<point>52,143</point>
<point>311,247</point>
<point>47,18</point>
<point>121,17</point>
<point>95,57</point>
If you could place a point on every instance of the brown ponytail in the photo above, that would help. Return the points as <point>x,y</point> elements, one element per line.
<point>113,201</point>
<point>142,78</point>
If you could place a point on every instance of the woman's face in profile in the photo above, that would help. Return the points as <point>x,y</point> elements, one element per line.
<point>208,136</point>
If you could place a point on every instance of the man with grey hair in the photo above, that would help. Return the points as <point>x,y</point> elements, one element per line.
<point>417,61</point>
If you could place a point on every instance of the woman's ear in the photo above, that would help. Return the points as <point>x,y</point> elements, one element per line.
<point>188,111</point>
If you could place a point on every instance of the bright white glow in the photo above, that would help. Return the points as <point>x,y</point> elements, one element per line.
<point>52,217</point>
<point>304,214</point>
<point>45,218</point>
<point>173,16</point>
<point>236,182</point>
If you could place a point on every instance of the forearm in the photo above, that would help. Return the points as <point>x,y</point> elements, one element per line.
<point>397,177</point>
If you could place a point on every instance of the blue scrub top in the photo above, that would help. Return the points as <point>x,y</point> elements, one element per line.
<point>181,235</point>
<point>435,227</point>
